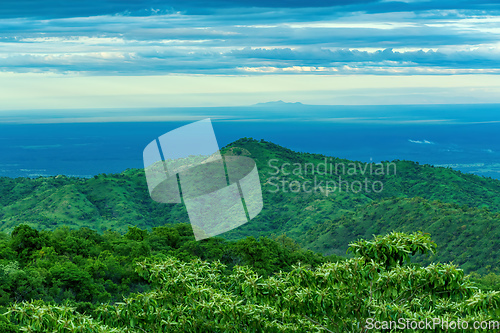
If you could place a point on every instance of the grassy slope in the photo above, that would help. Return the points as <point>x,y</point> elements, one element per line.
<point>104,202</point>
<point>117,201</point>
<point>467,236</point>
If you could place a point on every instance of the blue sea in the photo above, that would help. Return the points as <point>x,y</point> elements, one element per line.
<point>84,143</point>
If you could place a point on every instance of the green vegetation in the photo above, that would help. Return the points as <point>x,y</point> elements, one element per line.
<point>84,267</point>
<point>378,285</point>
<point>468,237</point>
<point>98,255</point>
<point>460,211</point>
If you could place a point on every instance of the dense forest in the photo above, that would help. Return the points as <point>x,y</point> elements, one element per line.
<point>164,281</point>
<point>98,255</point>
<point>461,211</point>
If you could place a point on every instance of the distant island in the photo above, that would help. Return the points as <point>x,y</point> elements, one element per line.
<point>278,103</point>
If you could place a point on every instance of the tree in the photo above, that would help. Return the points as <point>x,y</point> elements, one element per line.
<point>393,249</point>
<point>26,240</point>
<point>136,234</point>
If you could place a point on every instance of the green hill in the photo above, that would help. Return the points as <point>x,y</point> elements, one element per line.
<point>468,237</point>
<point>445,201</point>
<point>104,202</point>
<point>295,213</point>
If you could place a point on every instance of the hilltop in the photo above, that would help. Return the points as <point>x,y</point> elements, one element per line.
<point>459,210</point>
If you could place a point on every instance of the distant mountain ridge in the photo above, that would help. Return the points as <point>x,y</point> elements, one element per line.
<point>278,103</point>
<point>461,211</point>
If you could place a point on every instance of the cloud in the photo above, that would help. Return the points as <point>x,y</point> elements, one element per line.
<point>82,8</point>
<point>260,37</point>
<point>118,57</point>
<point>477,58</point>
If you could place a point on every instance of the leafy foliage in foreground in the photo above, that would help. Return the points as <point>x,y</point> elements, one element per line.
<point>40,317</point>
<point>198,296</point>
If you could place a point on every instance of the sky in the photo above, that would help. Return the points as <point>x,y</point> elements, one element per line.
<point>131,54</point>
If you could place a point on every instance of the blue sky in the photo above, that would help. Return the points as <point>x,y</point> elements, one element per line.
<point>118,54</point>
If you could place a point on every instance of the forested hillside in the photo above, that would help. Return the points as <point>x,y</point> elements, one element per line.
<point>466,236</point>
<point>459,210</point>
<point>98,255</point>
